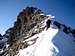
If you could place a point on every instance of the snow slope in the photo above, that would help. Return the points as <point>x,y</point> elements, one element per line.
<point>65,44</point>
<point>51,42</point>
<point>43,45</point>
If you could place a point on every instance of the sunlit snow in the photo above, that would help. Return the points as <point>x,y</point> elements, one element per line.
<point>43,45</point>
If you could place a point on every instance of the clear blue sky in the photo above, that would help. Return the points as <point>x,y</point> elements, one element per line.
<point>63,10</point>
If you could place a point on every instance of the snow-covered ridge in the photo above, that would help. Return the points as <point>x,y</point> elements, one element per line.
<point>43,45</point>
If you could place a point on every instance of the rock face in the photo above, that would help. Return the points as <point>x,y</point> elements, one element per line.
<point>43,46</point>
<point>28,23</point>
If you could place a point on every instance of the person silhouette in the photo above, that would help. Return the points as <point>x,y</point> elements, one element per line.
<point>48,23</point>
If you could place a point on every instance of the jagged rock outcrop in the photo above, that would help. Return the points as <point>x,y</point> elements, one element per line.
<point>24,27</point>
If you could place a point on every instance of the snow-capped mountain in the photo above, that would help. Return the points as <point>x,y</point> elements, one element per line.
<point>37,34</point>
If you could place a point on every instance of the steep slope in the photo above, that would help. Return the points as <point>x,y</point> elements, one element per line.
<point>28,23</point>
<point>43,45</point>
<point>65,44</point>
<point>52,43</point>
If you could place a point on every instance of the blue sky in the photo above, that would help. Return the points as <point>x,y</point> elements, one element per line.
<point>63,10</point>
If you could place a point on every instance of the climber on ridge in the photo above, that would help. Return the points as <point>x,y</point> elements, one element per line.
<point>48,22</point>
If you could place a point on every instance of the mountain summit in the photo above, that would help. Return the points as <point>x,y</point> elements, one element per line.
<point>37,34</point>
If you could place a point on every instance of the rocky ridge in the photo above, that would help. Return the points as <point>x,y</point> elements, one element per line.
<point>28,23</point>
